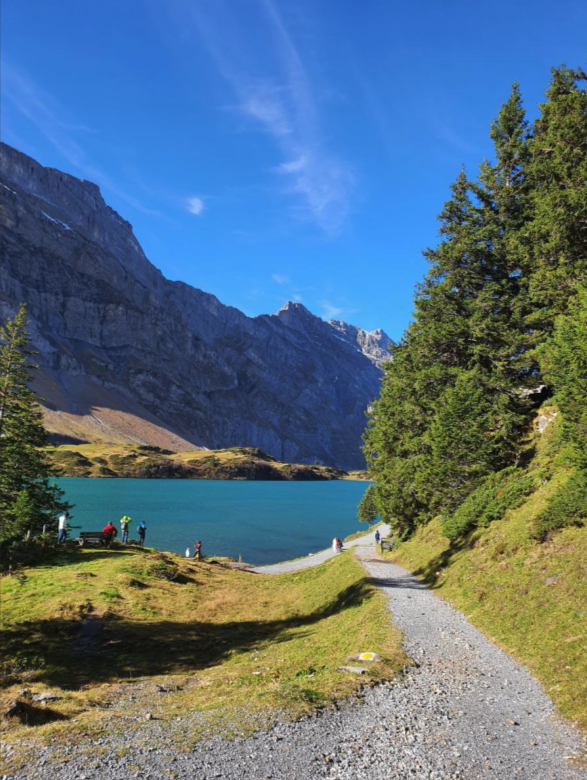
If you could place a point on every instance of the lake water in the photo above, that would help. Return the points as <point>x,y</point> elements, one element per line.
<point>265,522</point>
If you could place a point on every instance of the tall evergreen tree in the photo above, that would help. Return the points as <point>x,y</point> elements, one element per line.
<point>501,338</point>
<point>457,399</point>
<point>461,438</point>
<point>564,362</point>
<point>559,188</point>
<point>428,359</point>
<point>28,500</point>
<point>367,510</point>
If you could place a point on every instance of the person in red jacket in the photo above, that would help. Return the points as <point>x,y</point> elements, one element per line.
<point>109,532</point>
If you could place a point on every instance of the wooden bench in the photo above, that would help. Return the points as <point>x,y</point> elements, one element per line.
<point>386,544</point>
<point>94,537</point>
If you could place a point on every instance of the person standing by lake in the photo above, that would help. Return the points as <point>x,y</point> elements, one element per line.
<point>63,523</point>
<point>142,529</point>
<point>124,528</point>
<point>198,550</point>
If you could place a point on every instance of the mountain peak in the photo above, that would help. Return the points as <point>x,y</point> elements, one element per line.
<point>295,307</point>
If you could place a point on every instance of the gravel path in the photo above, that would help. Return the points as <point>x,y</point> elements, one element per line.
<point>313,560</point>
<point>464,711</point>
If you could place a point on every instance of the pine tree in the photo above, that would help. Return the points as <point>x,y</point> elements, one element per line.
<point>564,362</point>
<point>458,397</point>
<point>436,347</point>
<point>367,511</point>
<point>461,443</point>
<point>559,186</point>
<point>28,501</point>
<point>501,338</point>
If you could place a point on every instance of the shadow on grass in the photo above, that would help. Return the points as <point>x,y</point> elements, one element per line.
<point>72,556</point>
<point>123,648</point>
<point>431,571</point>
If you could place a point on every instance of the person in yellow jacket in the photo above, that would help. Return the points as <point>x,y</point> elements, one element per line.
<point>125,527</point>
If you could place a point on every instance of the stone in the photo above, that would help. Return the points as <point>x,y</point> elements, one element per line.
<point>367,657</point>
<point>45,697</point>
<point>129,355</point>
<point>553,580</point>
<point>352,669</point>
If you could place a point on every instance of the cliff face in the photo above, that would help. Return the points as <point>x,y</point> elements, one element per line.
<point>127,355</point>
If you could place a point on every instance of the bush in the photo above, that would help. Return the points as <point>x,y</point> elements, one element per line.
<point>566,507</point>
<point>490,501</point>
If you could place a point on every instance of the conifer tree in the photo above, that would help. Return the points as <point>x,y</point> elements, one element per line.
<point>461,443</point>
<point>27,499</point>
<point>559,188</point>
<point>564,362</point>
<point>500,336</point>
<point>457,399</point>
<point>367,510</point>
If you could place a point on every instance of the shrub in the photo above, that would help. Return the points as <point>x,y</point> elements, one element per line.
<point>566,507</point>
<point>495,495</point>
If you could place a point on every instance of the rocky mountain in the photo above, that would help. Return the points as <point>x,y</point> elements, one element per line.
<point>129,356</point>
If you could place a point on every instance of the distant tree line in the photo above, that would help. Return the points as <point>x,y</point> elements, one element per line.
<point>500,324</point>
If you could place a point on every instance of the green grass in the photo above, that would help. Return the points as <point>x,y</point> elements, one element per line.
<point>529,598</point>
<point>102,626</point>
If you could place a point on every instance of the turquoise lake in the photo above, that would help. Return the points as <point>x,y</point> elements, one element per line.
<point>264,522</point>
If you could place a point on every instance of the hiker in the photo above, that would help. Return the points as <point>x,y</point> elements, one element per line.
<point>187,552</point>
<point>338,545</point>
<point>198,551</point>
<point>63,523</point>
<point>335,545</point>
<point>377,536</point>
<point>109,531</point>
<point>142,529</point>
<point>125,528</point>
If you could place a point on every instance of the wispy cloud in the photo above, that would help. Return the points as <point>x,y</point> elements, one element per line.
<point>273,89</point>
<point>59,126</point>
<point>329,311</point>
<point>195,205</point>
<point>280,279</point>
<point>444,130</point>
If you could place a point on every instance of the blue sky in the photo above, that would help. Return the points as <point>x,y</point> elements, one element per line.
<point>268,151</point>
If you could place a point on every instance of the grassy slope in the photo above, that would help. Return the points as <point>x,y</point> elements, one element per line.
<point>230,639</point>
<point>529,598</point>
<point>126,460</point>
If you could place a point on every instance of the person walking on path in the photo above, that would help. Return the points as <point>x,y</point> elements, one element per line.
<point>142,529</point>
<point>377,536</point>
<point>109,531</point>
<point>125,527</point>
<point>63,523</point>
<point>335,545</point>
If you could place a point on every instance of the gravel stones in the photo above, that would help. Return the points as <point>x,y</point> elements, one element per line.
<point>463,711</point>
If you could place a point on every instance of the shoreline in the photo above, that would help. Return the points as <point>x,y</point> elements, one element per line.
<point>314,559</point>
